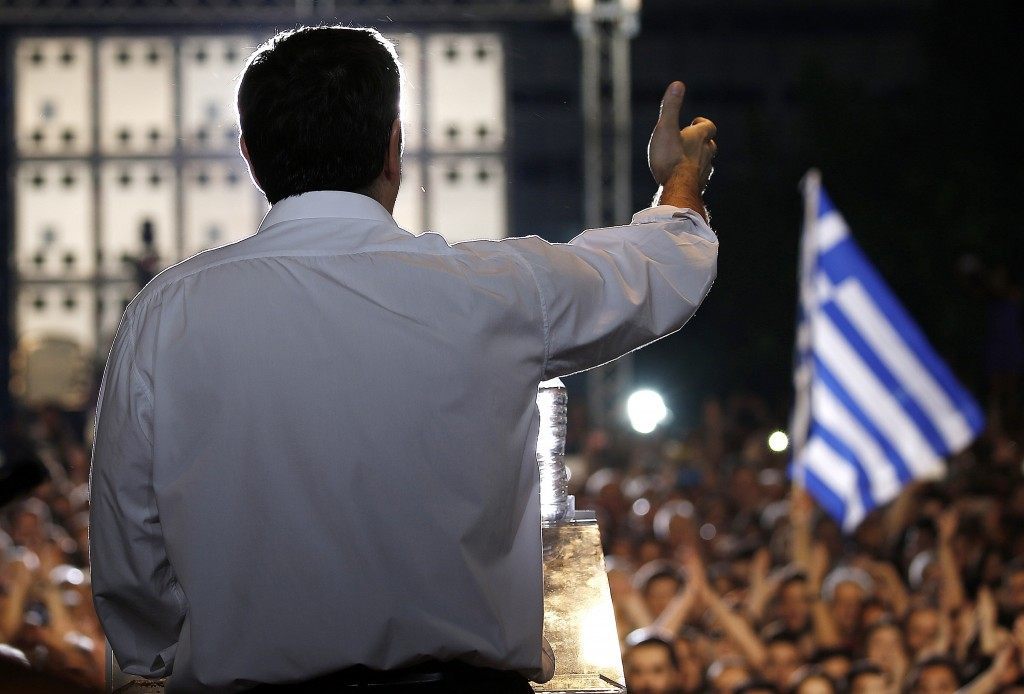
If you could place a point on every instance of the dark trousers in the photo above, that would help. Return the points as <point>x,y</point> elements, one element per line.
<point>427,678</point>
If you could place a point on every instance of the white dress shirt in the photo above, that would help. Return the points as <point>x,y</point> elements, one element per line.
<point>315,447</point>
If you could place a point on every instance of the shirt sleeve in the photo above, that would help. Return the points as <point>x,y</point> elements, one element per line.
<point>613,290</point>
<point>138,601</point>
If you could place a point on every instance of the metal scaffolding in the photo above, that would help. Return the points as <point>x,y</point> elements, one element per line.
<point>82,13</point>
<point>605,29</point>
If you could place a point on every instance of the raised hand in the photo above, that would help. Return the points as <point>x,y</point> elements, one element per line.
<point>801,507</point>
<point>760,565</point>
<point>762,584</point>
<point>1003,660</point>
<point>818,566</point>
<point>946,524</point>
<point>23,570</point>
<point>693,565</point>
<point>985,608</point>
<point>1018,639</point>
<point>693,148</point>
<point>50,557</point>
<point>986,612</point>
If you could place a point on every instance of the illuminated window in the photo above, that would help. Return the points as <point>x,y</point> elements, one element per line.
<point>126,162</point>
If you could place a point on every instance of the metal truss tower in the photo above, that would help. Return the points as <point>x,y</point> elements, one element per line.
<point>605,29</point>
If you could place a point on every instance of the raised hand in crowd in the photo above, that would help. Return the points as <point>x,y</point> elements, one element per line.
<point>951,590</point>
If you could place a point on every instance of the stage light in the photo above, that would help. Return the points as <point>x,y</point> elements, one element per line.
<point>778,441</point>
<point>646,410</point>
<point>641,506</point>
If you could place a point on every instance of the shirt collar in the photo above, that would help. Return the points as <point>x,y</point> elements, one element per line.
<point>325,203</point>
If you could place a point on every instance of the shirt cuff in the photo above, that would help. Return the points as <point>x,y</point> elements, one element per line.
<point>666,213</point>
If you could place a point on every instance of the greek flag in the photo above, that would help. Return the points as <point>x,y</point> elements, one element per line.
<point>875,405</point>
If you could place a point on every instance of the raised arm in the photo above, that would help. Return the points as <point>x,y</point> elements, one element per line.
<point>680,160</point>
<point>991,680</point>
<point>686,598</point>
<point>20,575</point>
<point>951,591</point>
<point>612,290</point>
<point>813,560</point>
<point>735,626</point>
<point>763,585</point>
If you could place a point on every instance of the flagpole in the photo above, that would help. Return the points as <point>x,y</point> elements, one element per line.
<point>810,185</point>
<point>890,409</point>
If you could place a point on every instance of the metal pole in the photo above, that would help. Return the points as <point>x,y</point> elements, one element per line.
<point>606,28</point>
<point>622,127</point>
<point>592,126</point>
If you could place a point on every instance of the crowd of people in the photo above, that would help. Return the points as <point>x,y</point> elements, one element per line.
<point>50,636</point>
<point>725,578</point>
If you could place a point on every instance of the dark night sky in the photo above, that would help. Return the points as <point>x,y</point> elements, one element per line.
<point>909,110</point>
<point>908,107</point>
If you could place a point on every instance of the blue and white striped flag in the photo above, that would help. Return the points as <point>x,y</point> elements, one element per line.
<point>875,405</point>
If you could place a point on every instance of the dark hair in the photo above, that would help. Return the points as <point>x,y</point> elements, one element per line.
<point>1013,567</point>
<point>315,107</point>
<point>755,685</point>
<point>824,653</point>
<point>777,630</point>
<point>784,636</point>
<point>860,669</point>
<point>883,623</point>
<point>791,576</point>
<point>660,643</point>
<point>653,570</point>
<point>914,678</point>
<point>875,601</point>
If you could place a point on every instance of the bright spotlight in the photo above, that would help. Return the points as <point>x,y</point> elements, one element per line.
<point>646,410</point>
<point>778,441</point>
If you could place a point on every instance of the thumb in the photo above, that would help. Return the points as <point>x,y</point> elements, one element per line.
<point>671,104</point>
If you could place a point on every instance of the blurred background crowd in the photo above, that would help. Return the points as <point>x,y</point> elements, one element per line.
<point>725,578</point>
<point>47,619</point>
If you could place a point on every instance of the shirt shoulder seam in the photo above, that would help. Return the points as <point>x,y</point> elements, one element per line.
<point>275,254</point>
